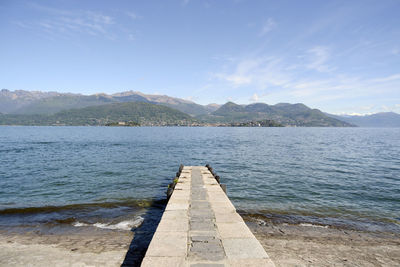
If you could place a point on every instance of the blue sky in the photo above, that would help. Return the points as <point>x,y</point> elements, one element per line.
<point>338,56</point>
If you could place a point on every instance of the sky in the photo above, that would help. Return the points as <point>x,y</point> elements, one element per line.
<point>337,56</point>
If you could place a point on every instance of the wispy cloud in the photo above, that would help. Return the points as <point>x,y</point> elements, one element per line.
<point>277,80</point>
<point>370,109</point>
<point>268,26</point>
<point>395,51</point>
<point>319,56</point>
<point>133,15</point>
<point>23,25</point>
<point>260,72</point>
<point>386,79</point>
<point>59,22</point>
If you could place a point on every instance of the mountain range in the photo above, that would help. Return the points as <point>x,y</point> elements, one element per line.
<point>382,119</point>
<point>283,113</point>
<point>140,113</point>
<point>53,108</point>
<point>36,102</point>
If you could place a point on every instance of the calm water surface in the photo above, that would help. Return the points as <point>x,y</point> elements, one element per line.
<point>109,176</point>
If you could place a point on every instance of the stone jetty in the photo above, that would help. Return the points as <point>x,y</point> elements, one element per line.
<point>200,227</point>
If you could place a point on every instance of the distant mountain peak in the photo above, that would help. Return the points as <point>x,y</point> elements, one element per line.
<point>36,102</point>
<point>381,119</point>
<point>231,103</point>
<point>286,114</point>
<point>282,104</point>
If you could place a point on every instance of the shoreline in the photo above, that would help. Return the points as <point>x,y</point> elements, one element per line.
<point>287,245</point>
<point>179,126</point>
<point>310,245</point>
<point>84,248</point>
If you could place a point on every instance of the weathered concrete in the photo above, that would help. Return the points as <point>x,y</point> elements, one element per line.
<point>200,227</point>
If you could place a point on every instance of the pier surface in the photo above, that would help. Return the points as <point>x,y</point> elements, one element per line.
<point>200,227</point>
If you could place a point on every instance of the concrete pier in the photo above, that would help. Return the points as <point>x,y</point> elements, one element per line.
<point>200,227</point>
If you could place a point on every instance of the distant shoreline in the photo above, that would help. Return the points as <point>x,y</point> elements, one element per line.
<point>188,126</point>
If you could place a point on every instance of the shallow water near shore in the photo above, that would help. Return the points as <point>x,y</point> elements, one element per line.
<point>58,178</point>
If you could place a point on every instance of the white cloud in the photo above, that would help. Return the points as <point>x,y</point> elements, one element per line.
<point>254,98</point>
<point>268,26</point>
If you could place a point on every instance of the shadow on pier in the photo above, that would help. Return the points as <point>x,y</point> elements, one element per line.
<point>143,234</point>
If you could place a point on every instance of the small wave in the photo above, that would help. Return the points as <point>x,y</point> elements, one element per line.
<point>81,206</point>
<point>124,225</point>
<point>42,142</point>
<point>313,225</point>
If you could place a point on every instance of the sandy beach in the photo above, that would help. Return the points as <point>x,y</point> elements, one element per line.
<point>308,245</point>
<point>97,248</point>
<point>287,245</point>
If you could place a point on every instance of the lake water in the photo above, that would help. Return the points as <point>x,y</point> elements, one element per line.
<point>108,177</point>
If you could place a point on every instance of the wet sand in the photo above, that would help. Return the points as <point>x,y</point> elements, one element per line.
<point>287,245</point>
<point>94,248</point>
<point>295,245</point>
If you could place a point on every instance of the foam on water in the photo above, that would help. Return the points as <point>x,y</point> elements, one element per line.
<point>313,225</point>
<point>124,225</point>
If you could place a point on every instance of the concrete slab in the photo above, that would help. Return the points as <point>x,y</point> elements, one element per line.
<point>163,261</point>
<point>202,233</point>
<point>251,263</point>
<point>182,186</point>
<point>215,191</point>
<point>175,215</point>
<point>234,230</point>
<point>200,227</point>
<point>173,225</point>
<point>177,206</point>
<point>182,196</point>
<point>245,248</point>
<point>226,209</point>
<point>224,204</point>
<point>204,238</point>
<point>173,200</point>
<point>201,215</point>
<point>210,181</point>
<point>168,244</point>
<point>206,251</point>
<point>214,187</point>
<point>228,218</point>
<point>200,205</point>
<point>207,265</point>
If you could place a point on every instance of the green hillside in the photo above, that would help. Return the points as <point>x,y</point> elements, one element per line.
<point>54,104</point>
<point>138,112</point>
<point>284,114</point>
